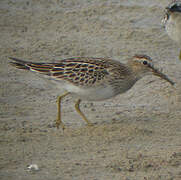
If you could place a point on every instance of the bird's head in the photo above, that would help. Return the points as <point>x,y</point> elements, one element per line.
<point>173,8</point>
<point>142,65</point>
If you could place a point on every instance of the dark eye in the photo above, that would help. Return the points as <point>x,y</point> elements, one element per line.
<point>145,62</point>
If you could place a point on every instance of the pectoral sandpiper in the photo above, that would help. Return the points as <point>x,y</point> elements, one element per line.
<point>93,79</point>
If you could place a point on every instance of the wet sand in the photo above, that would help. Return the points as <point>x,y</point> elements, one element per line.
<point>137,135</point>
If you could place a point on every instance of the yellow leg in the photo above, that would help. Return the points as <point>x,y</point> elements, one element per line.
<point>77,108</point>
<point>180,55</point>
<point>59,121</point>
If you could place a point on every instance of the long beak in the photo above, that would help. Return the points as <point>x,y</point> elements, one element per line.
<point>156,72</point>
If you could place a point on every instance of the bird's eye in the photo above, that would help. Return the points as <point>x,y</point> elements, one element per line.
<point>145,62</point>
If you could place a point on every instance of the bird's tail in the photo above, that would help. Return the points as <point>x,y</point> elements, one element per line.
<point>43,68</point>
<point>18,63</point>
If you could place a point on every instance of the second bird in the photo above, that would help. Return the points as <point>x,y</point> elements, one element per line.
<point>172,21</point>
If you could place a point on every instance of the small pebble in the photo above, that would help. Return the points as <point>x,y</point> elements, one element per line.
<point>33,167</point>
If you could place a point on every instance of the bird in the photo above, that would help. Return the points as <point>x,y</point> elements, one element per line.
<point>172,22</point>
<point>92,79</point>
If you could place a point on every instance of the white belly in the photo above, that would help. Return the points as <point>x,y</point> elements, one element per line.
<point>96,93</point>
<point>91,94</point>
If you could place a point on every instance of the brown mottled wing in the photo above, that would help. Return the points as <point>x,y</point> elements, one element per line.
<point>79,71</point>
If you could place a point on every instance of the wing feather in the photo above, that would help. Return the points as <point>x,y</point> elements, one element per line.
<point>79,71</point>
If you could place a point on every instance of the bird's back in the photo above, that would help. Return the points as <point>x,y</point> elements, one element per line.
<point>81,71</point>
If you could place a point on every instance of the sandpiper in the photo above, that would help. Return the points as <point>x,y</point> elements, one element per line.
<point>172,22</point>
<point>93,79</point>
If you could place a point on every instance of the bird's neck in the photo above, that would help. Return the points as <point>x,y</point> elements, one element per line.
<point>136,73</point>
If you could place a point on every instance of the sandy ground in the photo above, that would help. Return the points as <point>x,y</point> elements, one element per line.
<point>137,135</point>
